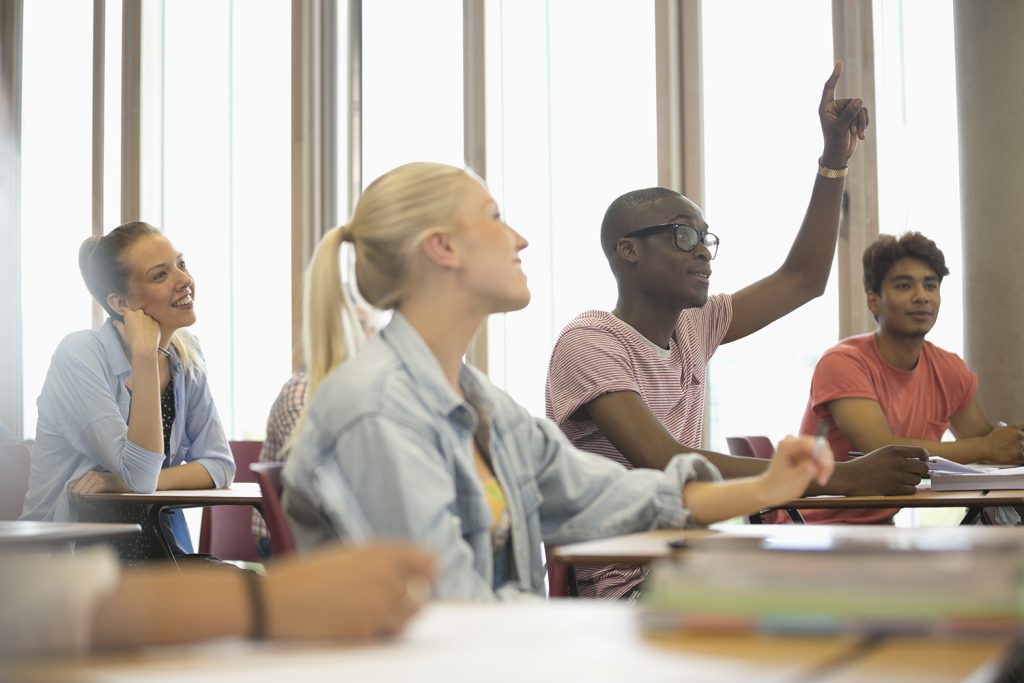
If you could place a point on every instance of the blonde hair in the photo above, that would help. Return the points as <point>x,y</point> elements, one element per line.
<point>99,260</point>
<point>394,215</point>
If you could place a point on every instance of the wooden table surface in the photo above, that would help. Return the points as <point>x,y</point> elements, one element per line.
<point>647,546</point>
<point>238,493</point>
<point>562,640</point>
<point>924,498</point>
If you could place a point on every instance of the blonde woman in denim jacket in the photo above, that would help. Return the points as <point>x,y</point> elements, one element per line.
<point>406,441</point>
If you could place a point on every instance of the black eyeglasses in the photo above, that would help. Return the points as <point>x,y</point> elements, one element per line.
<point>687,237</point>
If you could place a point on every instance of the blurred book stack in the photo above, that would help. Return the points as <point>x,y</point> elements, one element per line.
<point>818,579</point>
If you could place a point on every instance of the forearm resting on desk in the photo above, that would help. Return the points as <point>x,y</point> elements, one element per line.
<point>797,461</point>
<point>192,475</point>
<point>161,606</point>
<point>334,593</point>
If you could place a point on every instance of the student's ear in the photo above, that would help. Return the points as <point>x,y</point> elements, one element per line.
<point>441,249</point>
<point>627,250</point>
<point>118,304</point>
<point>874,303</point>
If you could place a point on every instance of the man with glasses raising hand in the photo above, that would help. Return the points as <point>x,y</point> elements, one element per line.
<point>629,384</point>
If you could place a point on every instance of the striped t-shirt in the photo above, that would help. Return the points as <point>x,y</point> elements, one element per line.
<point>597,354</point>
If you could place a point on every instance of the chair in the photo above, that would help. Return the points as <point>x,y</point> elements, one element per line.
<point>15,463</point>
<point>751,446</point>
<point>561,577</point>
<point>226,530</point>
<point>268,474</point>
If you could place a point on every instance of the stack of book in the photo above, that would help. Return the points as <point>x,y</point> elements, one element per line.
<point>960,580</point>
<point>952,476</point>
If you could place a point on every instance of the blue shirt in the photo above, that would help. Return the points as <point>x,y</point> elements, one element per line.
<point>83,425</point>
<point>386,451</point>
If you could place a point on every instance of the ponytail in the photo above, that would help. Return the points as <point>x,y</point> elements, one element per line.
<point>331,328</point>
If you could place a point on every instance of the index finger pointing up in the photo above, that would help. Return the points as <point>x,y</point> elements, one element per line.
<point>829,92</point>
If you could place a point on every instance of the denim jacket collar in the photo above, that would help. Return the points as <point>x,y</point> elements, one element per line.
<point>421,364</point>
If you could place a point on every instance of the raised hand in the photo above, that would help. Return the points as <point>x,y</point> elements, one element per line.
<point>843,123</point>
<point>141,333</point>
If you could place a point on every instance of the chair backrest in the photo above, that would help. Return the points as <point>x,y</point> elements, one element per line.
<point>226,530</point>
<point>15,463</point>
<point>558,575</point>
<point>738,445</point>
<point>762,446</point>
<point>751,446</point>
<point>268,474</point>
<point>757,447</point>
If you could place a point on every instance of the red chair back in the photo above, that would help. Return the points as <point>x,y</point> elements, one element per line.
<point>762,446</point>
<point>226,530</point>
<point>558,575</point>
<point>751,446</point>
<point>268,474</point>
<point>756,447</point>
<point>15,463</point>
<point>738,445</point>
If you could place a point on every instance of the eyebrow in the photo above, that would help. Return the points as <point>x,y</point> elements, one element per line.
<point>926,278</point>
<point>682,216</point>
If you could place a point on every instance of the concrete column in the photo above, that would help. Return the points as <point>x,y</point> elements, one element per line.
<point>990,102</point>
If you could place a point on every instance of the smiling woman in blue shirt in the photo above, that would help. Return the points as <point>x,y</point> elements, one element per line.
<point>404,440</point>
<point>127,407</point>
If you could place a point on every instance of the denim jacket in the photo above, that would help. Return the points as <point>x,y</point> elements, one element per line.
<point>385,451</point>
<point>83,425</point>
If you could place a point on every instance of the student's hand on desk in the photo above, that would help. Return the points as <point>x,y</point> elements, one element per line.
<point>1005,445</point>
<point>886,471</point>
<point>99,482</point>
<point>843,123</point>
<point>347,593</point>
<point>797,462</point>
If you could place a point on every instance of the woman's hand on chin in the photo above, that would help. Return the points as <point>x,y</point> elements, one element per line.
<point>140,332</point>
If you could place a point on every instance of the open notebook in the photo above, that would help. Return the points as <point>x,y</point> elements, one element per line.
<point>951,476</point>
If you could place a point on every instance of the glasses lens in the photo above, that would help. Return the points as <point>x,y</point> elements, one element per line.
<point>686,237</point>
<point>711,242</point>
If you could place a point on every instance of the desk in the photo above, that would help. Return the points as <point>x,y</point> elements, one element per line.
<point>238,493</point>
<point>645,547</point>
<point>924,498</point>
<point>974,501</point>
<point>556,641</point>
<point>19,534</point>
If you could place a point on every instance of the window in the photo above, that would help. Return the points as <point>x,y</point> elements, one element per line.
<point>412,84</point>
<point>762,141</point>
<point>572,125</point>
<point>221,189</point>
<point>56,183</point>
<point>915,86</point>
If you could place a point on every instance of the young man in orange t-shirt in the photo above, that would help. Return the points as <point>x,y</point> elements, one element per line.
<point>892,386</point>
